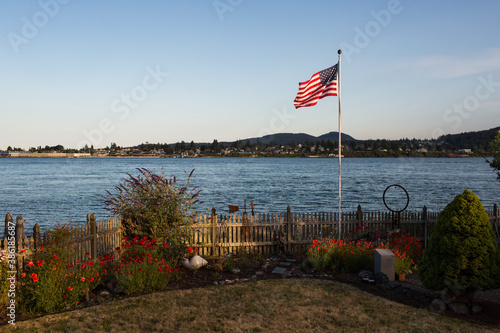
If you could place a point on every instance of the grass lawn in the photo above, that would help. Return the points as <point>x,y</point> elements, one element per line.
<point>292,305</point>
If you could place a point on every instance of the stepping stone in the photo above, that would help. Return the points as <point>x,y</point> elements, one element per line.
<point>291,260</point>
<point>279,270</point>
<point>285,263</point>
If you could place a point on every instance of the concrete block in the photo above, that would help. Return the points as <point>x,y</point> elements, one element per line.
<point>385,262</point>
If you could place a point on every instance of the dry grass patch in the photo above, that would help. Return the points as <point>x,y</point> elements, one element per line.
<point>263,306</point>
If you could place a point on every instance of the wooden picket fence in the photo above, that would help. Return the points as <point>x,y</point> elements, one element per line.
<point>217,234</point>
<point>93,239</point>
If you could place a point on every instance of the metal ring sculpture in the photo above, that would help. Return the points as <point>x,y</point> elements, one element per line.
<point>407,198</point>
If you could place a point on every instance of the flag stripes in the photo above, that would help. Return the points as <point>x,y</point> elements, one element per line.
<point>321,84</point>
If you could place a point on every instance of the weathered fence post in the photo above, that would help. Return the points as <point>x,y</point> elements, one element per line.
<point>214,230</point>
<point>93,233</point>
<point>8,218</point>
<point>288,229</point>
<point>37,238</point>
<point>495,220</point>
<point>359,216</point>
<point>20,235</point>
<point>424,219</point>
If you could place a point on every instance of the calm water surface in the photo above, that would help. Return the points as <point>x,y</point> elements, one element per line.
<point>46,191</point>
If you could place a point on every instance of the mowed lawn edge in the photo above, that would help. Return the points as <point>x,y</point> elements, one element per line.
<point>292,305</point>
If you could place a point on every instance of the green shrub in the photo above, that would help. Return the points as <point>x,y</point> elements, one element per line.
<point>462,251</point>
<point>51,282</point>
<point>155,206</point>
<point>4,283</point>
<point>142,266</point>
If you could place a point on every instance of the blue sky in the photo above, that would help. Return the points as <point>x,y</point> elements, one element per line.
<point>96,72</point>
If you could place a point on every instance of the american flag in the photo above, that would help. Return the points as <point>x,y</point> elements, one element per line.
<point>321,84</point>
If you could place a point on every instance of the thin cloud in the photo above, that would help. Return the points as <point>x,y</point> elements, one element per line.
<point>443,66</point>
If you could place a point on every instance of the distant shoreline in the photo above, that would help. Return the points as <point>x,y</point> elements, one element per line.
<point>236,156</point>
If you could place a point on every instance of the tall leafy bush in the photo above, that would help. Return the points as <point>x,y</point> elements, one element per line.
<point>462,252</point>
<point>155,206</point>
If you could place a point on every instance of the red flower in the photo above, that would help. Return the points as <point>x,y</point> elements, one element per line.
<point>83,279</point>
<point>30,263</point>
<point>196,249</point>
<point>23,250</point>
<point>87,253</point>
<point>82,266</point>
<point>165,245</point>
<point>69,288</point>
<point>34,277</point>
<point>190,250</point>
<point>56,257</point>
<point>91,279</point>
<point>41,249</point>
<point>23,275</point>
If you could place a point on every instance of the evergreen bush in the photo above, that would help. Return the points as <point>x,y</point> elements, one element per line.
<point>462,254</point>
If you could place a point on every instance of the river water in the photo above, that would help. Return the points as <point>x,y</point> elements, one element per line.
<point>51,190</point>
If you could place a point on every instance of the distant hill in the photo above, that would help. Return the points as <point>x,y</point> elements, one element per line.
<point>287,138</point>
<point>470,139</point>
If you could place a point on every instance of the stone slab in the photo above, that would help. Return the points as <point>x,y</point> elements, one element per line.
<point>283,263</point>
<point>385,262</point>
<point>279,270</point>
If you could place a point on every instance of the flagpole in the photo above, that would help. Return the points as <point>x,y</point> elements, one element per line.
<point>340,150</point>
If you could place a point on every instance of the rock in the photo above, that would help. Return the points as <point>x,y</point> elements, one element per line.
<point>229,281</point>
<point>216,283</point>
<point>365,274</point>
<point>368,280</point>
<point>194,263</point>
<point>447,296</point>
<point>259,272</point>
<point>461,308</point>
<point>381,278</point>
<point>392,285</point>
<point>437,306</point>
<point>104,294</point>
<point>253,277</point>
<point>291,260</point>
<point>222,282</point>
<point>114,287</point>
<point>236,270</point>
